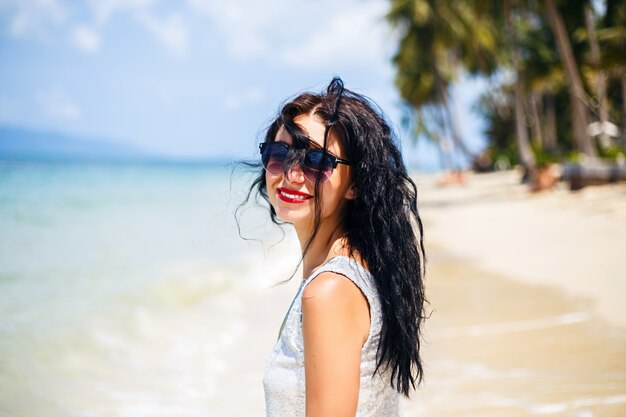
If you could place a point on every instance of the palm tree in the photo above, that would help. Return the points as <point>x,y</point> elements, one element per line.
<point>600,76</point>
<point>544,80</point>
<point>526,155</point>
<point>575,84</point>
<point>612,40</point>
<point>543,63</point>
<point>435,42</point>
<point>420,77</point>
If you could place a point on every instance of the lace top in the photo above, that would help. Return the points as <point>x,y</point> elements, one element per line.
<point>284,381</point>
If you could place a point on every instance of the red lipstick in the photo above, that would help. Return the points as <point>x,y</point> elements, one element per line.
<point>292,196</point>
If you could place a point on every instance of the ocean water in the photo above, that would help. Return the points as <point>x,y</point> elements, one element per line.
<point>117,280</point>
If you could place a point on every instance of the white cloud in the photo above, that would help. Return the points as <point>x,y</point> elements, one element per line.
<point>255,95</point>
<point>299,34</point>
<point>103,10</point>
<point>244,24</point>
<point>42,18</point>
<point>237,101</point>
<point>86,39</point>
<point>232,102</point>
<point>171,32</point>
<point>36,17</point>
<point>354,36</point>
<point>56,103</point>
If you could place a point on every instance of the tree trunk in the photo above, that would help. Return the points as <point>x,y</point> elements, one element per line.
<point>447,140</point>
<point>551,139</point>
<point>450,120</point>
<point>446,159</point>
<point>536,127</point>
<point>600,77</point>
<point>526,155</point>
<point>581,176</point>
<point>624,106</point>
<point>576,90</point>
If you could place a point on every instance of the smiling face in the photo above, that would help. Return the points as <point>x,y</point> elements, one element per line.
<point>293,196</point>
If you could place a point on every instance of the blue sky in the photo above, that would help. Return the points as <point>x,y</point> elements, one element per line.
<point>194,78</point>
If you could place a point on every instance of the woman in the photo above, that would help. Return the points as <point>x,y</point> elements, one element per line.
<point>350,342</point>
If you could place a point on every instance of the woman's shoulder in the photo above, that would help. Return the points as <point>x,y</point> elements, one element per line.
<point>330,284</point>
<point>332,301</point>
<point>341,273</point>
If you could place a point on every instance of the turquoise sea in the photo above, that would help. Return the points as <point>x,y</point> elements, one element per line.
<point>121,283</point>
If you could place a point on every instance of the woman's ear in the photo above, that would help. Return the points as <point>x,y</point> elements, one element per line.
<point>351,193</point>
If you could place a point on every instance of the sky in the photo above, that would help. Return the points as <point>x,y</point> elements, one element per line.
<point>196,78</point>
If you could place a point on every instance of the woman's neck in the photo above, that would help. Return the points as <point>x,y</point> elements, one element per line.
<point>328,242</point>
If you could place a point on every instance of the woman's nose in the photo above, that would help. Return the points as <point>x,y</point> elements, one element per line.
<point>294,173</point>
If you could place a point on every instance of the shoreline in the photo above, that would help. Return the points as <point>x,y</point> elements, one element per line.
<point>495,345</point>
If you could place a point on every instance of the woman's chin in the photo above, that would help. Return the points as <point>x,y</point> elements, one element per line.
<point>294,215</point>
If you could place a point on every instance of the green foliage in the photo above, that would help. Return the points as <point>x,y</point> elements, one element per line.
<point>543,157</point>
<point>574,157</point>
<point>498,40</point>
<point>613,153</point>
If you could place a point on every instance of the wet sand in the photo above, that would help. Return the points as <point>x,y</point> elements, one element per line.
<point>240,390</point>
<point>526,294</point>
<point>500,347</point>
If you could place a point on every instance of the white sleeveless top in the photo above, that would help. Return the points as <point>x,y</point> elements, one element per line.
<point>284,381</point>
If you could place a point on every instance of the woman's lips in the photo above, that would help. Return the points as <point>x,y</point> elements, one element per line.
<point>293,196</point>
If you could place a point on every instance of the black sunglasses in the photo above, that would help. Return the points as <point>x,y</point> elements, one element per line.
<point>317,162</point>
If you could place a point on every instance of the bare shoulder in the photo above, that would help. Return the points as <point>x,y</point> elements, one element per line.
<point>332,287</point>
<point>332,303</point>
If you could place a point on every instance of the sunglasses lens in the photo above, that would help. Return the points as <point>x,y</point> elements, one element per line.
<point>317,164</point>
<point>273,158</point>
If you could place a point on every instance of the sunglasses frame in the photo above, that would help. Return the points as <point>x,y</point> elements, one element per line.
<point>335,160</point>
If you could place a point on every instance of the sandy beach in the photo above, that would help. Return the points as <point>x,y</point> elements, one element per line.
<point>525,293</point>
<point>575,241</point>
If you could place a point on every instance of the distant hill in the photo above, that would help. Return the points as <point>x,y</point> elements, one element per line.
<point>20,143</point>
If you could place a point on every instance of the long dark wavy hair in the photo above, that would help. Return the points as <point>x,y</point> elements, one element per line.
<point>382,224</point>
